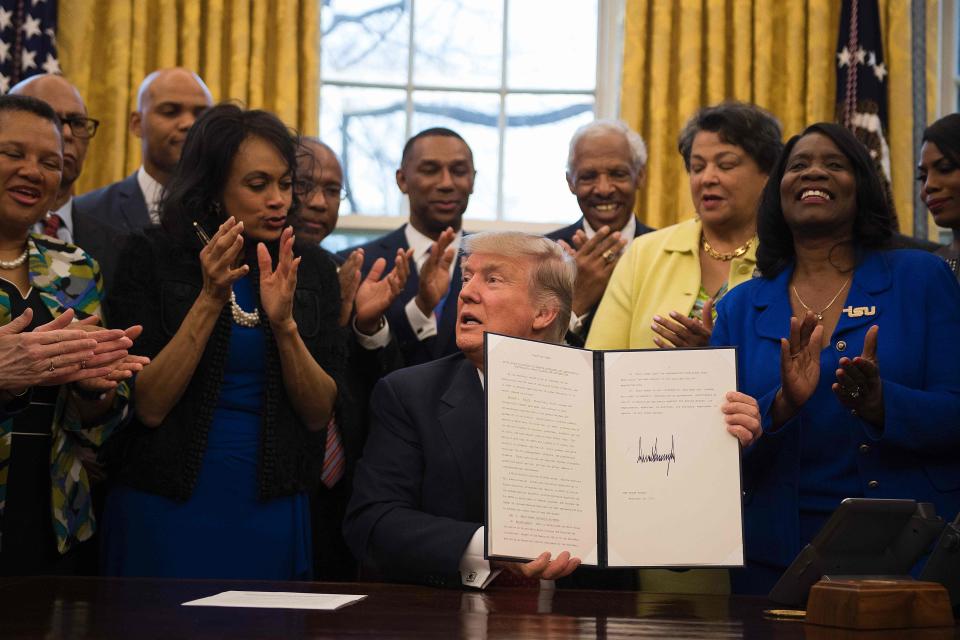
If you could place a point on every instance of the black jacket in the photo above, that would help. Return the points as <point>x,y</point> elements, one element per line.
<point>157,282</point>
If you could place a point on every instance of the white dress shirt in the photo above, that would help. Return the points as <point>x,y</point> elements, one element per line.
<point>152,190</point>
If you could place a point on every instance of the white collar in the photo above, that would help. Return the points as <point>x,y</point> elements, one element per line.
<point>152,190</point>
<point>421,245</point>
<point>627,233</point>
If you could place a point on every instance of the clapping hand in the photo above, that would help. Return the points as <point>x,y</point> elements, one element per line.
<point>377,292</point>
<point>111,353</point>
<point>682,331</point>
<point>596,259</point>
<point>349,276</point>
<point>435,273</point>
<point>277,286</point>
<point>858,385</point>
<point>799,366</point>
<point>219,258</point>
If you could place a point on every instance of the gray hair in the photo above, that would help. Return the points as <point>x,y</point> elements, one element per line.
<point>638,149</point>
<point>551,280</point>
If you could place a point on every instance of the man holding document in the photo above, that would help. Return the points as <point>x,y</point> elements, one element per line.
<point>417,512</point>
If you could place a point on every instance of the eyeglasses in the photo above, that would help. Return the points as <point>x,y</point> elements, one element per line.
<point>81,126</point>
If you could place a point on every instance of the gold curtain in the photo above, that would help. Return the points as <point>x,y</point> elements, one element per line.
<point>263,53</point>
<point>680,55</point>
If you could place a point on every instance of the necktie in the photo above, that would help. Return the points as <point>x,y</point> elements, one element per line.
<point>51,224</point>
<point>333,458</point>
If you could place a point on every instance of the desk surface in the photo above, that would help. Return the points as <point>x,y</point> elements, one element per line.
<point>107,608</point>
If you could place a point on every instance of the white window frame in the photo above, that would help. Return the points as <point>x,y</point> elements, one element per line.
<point>610,25</point>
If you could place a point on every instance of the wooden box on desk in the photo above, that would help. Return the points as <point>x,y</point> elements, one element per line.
<point>879,604</point>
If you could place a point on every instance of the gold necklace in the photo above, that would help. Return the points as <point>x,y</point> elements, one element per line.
<point>726,257</point>
<point>819,315</point>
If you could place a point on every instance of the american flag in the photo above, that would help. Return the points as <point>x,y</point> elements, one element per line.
<point>862,79</point>
<point>28,40</point>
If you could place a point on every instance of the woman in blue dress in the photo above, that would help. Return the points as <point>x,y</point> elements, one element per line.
<point>849,348</point>
<point>231,416</point>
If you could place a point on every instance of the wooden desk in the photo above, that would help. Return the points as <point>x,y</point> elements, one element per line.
<point>108,608</point>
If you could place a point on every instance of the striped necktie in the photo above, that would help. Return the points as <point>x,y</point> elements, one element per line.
<point>333,457</point>
<point>52,224</point>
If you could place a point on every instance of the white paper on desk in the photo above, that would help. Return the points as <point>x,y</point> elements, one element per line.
<point>541,450</point>
<point>277,600</point>
<point>673,470</point>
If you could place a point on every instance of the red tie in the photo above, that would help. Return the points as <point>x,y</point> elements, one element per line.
<point>333,458</point>
<point>51,224</point>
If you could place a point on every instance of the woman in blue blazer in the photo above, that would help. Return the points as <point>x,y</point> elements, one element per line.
<point>851,350</point>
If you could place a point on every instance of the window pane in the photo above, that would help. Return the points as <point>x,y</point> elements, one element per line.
<point>552,44</point>
<point>537,140</point>
<point>473,116</point>
<point>364,40</point>
<point>458,43</point>
<point>365,127</point>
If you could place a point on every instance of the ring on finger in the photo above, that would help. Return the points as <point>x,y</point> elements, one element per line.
<point>51,368</point>
<point>608,255</point>
<point>854,393</point>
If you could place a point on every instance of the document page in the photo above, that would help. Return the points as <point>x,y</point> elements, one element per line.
<point>541,450</point>
<point>672,470</point>
<point>276,600</point>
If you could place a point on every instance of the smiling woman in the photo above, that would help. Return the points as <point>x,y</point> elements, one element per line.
<point>939,175</point>
<point>229,424</point>
<point>662,291</point>
<point>61,393</point>
<point>850,349</point>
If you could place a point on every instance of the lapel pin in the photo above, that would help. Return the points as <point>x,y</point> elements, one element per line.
<point>856,312</point>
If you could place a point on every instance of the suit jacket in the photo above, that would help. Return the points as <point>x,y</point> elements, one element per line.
<point>120,205</point>
<point>566,234</point>
<point>414,351</point>
<point>418,490</point>
<point>915,300</point>
<point>103,218</point>
<point>101,241</point>
<point>332,559</point>
<point>418,495</point>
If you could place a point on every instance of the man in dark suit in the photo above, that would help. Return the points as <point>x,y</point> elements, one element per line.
<point>606,167</point>
<point>437,174</point>
<point>168,103</point>
<point>417,510</point>
<point>372,353</point>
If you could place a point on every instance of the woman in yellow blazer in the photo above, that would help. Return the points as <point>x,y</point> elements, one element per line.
<point>662,285</point>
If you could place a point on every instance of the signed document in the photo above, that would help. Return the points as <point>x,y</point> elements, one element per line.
<point>620,457</point>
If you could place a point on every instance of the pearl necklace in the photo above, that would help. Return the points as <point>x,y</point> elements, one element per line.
<point>16,262</point>
<point>726,257</point>
<point>243,318</point>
